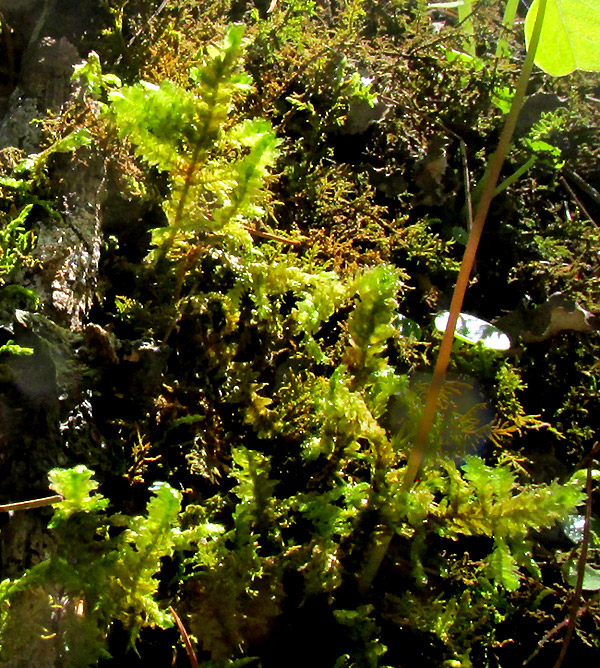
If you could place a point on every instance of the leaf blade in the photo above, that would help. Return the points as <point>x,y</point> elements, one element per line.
<point>570,37</point>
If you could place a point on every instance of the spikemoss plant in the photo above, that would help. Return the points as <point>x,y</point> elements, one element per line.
<point>91,581</point>
<point>290,373</point>
<point>216,167</point>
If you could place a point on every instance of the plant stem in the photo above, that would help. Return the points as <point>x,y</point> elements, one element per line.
<point>465,21</point>
<point>380,541</point>
<point>493,173</point>
<point>515,175</point>
<point>187,184</point>
<point>508,20</point>
<point>34,503</point>
<point>574,609</point>
<point>189,650</point>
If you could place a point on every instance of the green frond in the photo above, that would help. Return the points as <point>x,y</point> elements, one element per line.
<point>161,121</point>
<point>75,485</point>
<point>503,566</point>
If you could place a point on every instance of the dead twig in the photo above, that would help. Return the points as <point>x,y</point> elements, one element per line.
<point>575,607</point>
<point>467,185</point>
<point>185,637</point>
<point>553,631</point>
<point>33,503</point>
<point>583,184</point>
<point>577,200</point>
<point>273,237</point>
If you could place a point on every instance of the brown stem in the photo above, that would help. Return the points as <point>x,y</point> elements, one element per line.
<point>491,179</point>
<point>574,609</point>
<point>273,237</point>
<point>577,201</point>
<point>187,184</point>
<point>33,503</point>
<point>380,542</point>
<point>185,637</point>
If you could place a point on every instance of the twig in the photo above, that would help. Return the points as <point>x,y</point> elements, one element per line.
<point>467,182</point>
<point>444,37</point>
<point>33,503</point>
<point>40,23</point>
<point>515,175</point>
<point>574,610</point>
<point>186,638</point>
<point>141,30</point>
<point>583,184</point>
<point>491,177</point>
<point>274,237</point>
<point>551,633</point>
<point>10,52</point>
<point>577,200</point>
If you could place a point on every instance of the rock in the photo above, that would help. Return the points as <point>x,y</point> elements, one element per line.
<point>557,314</point>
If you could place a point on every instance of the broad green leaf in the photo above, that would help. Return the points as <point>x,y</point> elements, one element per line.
<point>591,575</point>
<point>407,327</point>
<point>578,479</point>
<point>570,37</point>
